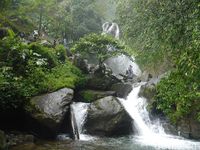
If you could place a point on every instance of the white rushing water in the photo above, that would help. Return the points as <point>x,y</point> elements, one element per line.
<point>111,28</point>
<point>151,132</point>
<point>80,113</point>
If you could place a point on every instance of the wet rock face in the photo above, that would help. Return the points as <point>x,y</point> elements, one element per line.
<point>148,91</point>
<point>17,138</point>
<point>189,128</point>
<point>101,82</point>
<point>49,109</point>
<point>106,117</point>
<point>2,140</point>
<point>119,65</point>
<point>122,89</point>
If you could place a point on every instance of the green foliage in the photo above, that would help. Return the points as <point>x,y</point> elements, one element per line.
<point>44,53</point>
<point>68,19</point>
<point>65,75</point>
<point>166,34</point>
<point>61,53</point>
<point>29,70</point>
<point>88,96</point>
<point>160,28</point>
<point>178,95</point>
<point>98,45</point>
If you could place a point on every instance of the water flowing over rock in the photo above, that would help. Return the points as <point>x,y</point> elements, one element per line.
<point>49,109</point>
<point>151,132</point>
<point>78,115</point>
<point>106,117</point>
<point>111,29</point>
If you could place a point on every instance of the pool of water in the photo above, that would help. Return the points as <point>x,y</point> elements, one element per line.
<point>123,143</point>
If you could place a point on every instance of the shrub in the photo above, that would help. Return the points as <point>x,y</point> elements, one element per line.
<point>178,95</point>
<point>29,70</point>
<point>98,45</point>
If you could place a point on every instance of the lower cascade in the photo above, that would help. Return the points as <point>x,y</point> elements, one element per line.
<point>150,132</point>
<point>78,115</point>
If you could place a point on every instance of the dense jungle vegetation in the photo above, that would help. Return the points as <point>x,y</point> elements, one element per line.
<point>166,35</point>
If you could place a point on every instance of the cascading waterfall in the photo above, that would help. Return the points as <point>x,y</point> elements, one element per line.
<point>136,107</point>
<point>151,132</point>
<point>111,28</point>
<point>78,115</point>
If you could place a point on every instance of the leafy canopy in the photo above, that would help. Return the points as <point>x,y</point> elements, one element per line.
<point>98,45</point>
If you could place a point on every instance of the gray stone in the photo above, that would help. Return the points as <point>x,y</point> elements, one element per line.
<point>81,63</point>
<point>122,89</point>
<point>106,117</point>
<point>189,128</point>
<point>148,91</point>
<point>102,82</point>
<point>2,140</point>
<point>17,138</point>
<point>184,128</point>
<point>49,109</point>
<point>119,64</point>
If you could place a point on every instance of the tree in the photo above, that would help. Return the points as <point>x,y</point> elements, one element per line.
<point>167,29</point>
<point>98,45</point>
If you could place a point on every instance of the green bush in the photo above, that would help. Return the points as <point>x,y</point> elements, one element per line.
<point>65,75</point>
<point>96,44</point>
<point>178,95</point>
<point>44,53</point>
<point>29,70</point>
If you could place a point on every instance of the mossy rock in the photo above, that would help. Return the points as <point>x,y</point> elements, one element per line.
<point>148,91</point>
<point>91,95</point>
<point>122,89</point>
<point>101,82</point>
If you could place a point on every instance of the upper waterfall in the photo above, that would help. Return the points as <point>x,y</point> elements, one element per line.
<point>111,28</point>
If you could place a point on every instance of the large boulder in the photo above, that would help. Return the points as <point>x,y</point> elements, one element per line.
<point>2,140</point>
<point>119,65</point>
<point>189,128</point>
<point>122,89</point>
<point>81,63</point>
<point>103,82</point>
<point>92,95</point>
<point>106,117</point>
<point>49,109</point>
<point>148,91</point>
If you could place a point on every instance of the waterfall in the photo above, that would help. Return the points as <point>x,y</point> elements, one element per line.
<point>151,132</point>
<point>78,115</point>
<point>136,107</point>
<point>111,28</point>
